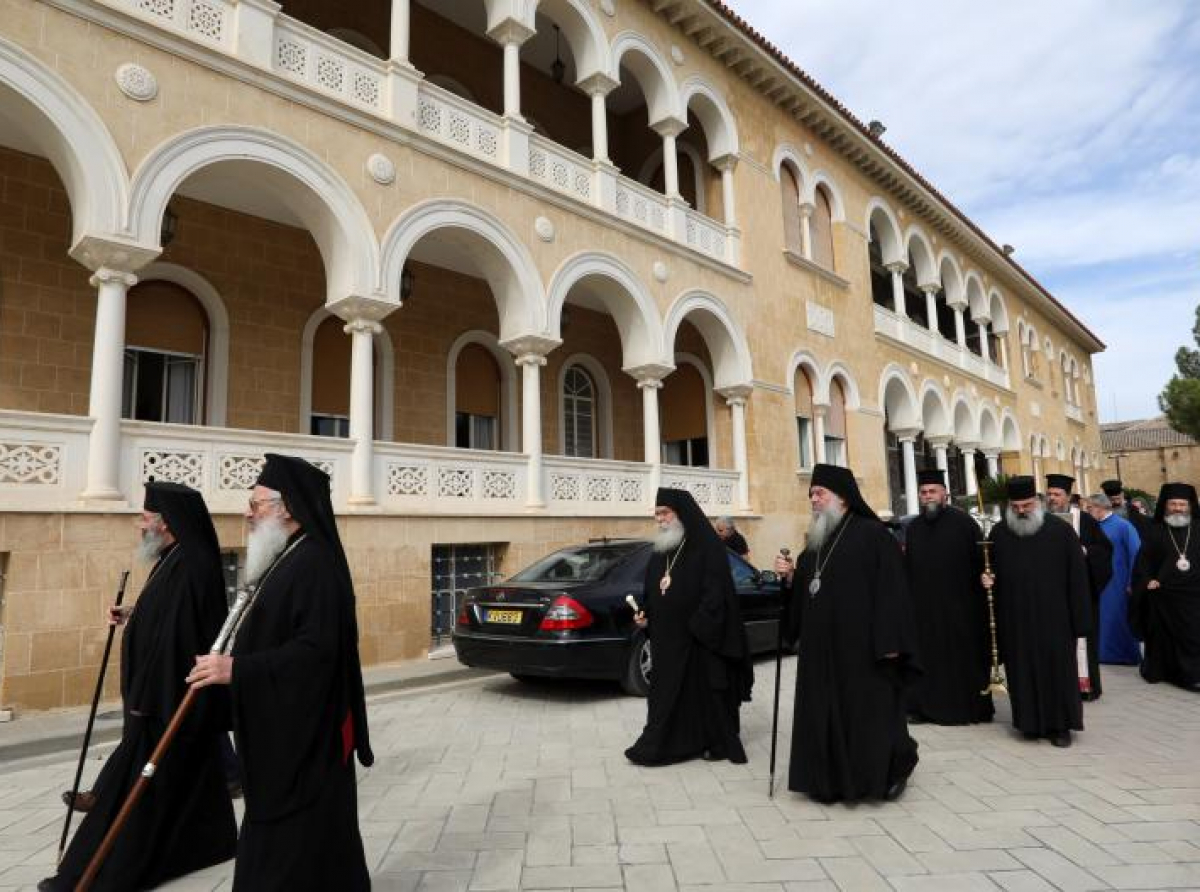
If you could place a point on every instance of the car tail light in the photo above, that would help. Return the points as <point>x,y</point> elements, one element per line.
<point>565,614</point>
<point>464,618</point>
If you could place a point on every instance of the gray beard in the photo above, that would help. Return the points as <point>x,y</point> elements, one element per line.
<point>150,547</point>
<point>1178,521</point>
<point>668,537</point>
<point>1122,511</point>
<point>932,510</point>
<point>265,543</point>
<point>1025,526</point>
<point>823,523</point>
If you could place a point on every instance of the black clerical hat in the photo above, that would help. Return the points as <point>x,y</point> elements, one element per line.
<point>931,476</point>
<point>841,481</point>
<point>1112,488</point>
<point>1176,491</point>
<point>1060,481</point>
<point>185,514</point>
<point>305,491</point>
<point>691,515</point>
<point>1022,487</point>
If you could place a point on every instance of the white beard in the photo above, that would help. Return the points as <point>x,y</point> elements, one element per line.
<point>932,510</point>
<point>265,543</point>
<point>668,538</point>
<point>1025,526</point>
<point>823,523</point>
<point>150,546</point>
<point>1178,521</point>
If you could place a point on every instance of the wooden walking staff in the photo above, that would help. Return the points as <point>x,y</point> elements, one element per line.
<point>996,684</point>
<point>91,722</point>
<point>244,598</point>
<point>778,667</point>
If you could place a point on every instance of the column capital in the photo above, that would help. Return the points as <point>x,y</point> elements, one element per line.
<point>354,307</point>
<point>669,127</point>
<point>896,266</point>
<point>527,348</point>
<point>737,394</point>
<point>649,375</point>
<point>727,162</point>
<point>907,434</point>
<point>362,326</point>
<point>982,320</point>
<point>510,31</point>
<point>992,452</point>
<point>958,306</point>
<point>967,446</point>
<point>821,410</point>
<point>930,287</point>
<point>96,252</point>
<point>598,84</point>
<point>108,276</point>
<point>807,209</point>
<point>940,442</point>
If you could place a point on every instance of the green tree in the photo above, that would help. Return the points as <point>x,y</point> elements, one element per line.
<point>1180,399</point>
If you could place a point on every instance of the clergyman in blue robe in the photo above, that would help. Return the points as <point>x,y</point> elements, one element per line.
<point>1117,642</point>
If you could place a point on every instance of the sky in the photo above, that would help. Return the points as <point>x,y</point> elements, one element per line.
<point>1069,129</point>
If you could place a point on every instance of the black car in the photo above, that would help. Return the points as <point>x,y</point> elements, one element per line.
<point>566,616</point>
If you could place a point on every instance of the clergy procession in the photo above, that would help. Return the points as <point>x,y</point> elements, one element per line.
<point>941,628</point>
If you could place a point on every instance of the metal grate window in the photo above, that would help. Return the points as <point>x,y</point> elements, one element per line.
<point>457,568</point>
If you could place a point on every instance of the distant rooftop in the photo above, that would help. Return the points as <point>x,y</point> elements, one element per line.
<point>1149,433</point>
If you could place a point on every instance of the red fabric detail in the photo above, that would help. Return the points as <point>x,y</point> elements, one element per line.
<point>347,737</point>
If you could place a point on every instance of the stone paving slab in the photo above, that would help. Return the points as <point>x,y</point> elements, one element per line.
<point>493,785</point>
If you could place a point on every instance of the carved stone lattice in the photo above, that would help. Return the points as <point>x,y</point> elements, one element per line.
<point>658,217</point>
<point>207,20</point>
<point>599,489</point>
<point>622,203</point>
<point>331,74</point>
<point>30,464</point>
<point>631,491</point>
<point>499,485</point>
<point>487,142</point>
<point>429,116</point>
<point>174,467</point>
<point>162,8</point>
<point>236,472</point>
<point>455,483</point>
<point>583,185</point>
<point>724,493</point>
<point>291,56</point>
<point>537,164</point>
<point>460,128</point>
<point>408,480</point>
<point>558,174</point>
<point>564,488</point>
<point>366,89</point>
<point>702,492</point>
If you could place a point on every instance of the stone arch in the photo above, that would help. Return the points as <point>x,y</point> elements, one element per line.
<point>216,388</point>
<point>385,376</point>
<point>918,248</point>
<point>509,432</point>
<point>803,359</point>
<point>976,300</point>
<point>493,252</point>
<point>651,72</point>
<point>711,109</point>
<point>891,246</point>
<point>74,139</point>
<point>786,153</point>
<point>838,371</point>
<point>935,412</point>
<point>898,400</point>
<point>267,162</point>
<point>989,428</point>
<point>724,338</point>
<point>623,295</point>
<point>1010,431</point>
<point>582,32</point>
<point>966,427</point>
<point>997,311</point>
<point>604,429</point>
<point>951,276</point>
<point>821,179</point>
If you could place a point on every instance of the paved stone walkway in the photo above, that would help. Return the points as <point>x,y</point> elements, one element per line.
<point>495,785</point>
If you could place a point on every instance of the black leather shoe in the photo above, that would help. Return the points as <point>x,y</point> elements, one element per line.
<point>896,790</point>
<point>1061,740</point>
<point>49,884</point>
<point>82,801</point>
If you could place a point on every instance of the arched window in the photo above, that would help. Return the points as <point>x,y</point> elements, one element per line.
<point>789,191</point>
<point>476,399</point>
<point>166,344</point>
<point>684,404</point>
<point>579,413</point>
<point>835,426</point>
<point>881,279</point>
<point>330,415</point>
<point>822,230</point>
<point>802,385</point>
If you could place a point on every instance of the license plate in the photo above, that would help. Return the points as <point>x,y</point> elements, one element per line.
<point>507,617</point>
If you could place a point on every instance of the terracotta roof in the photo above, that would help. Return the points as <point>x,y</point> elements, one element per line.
<point>1150,433</point>
<point>808,81</point>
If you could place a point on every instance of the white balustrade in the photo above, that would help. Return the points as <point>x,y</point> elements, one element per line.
<point>641,205</point>
<point>888,323</point>
<point>705,235</point>
<point>459,123</point>
<point>594,487</point>
<point>920,338</point>
<point>560,168</point>
<point>327,64</point>
<point>43,460</point>
<point>436,479</point>
<point>208,21</point>
<point>715,490</point>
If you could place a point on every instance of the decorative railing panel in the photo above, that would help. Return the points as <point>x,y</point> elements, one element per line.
<point>560,169</point>
<point>592,486</point>
<point>706,235</point>
<point>327,64</point>
<point>441,480</point>
<point>714,489</point>
<point>462,124</point>
<point>641,205</point>
<point>43,459</point>
<point>208,21</point>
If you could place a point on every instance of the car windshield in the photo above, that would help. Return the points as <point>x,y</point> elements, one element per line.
<point>587,563</point>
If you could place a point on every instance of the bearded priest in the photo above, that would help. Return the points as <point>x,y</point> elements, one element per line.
<point>1043,606</point>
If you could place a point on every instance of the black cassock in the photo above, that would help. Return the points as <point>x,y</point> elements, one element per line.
<point>849,734</point>
<point>292,685</point>
<point>184,820</point>
<point>1098,548</point>
<point>1043,607</point>
<point>1167,619</point>
<point>702,670</point>
<point>944,561</point>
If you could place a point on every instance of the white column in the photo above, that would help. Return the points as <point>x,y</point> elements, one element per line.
<point>968,451</point>
<point>993,463</point>
<point>400,30</point>
<point>727,164</point>
<point>985,349</point>
<point>898,269</point>
<point>651,435</point>
<point>960,329</point>
<point>1002,340</point>
<point>737,408</point>
<point>670,165</point>
<point>104,400</point>
<point>531,423</point>
<point>911,503</point>
<point>512,79</point>
<point>931,293</point>
<point>599,126</point>
<point>819,413</point>
<point>362,408</point>
<point>806,212</point>
<point>940,445</point>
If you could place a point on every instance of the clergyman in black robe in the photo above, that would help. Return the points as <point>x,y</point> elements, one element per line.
<point>184,820</point>
<point>944,561</point>
<point>702,671</point>
<point>1165,610</point>
<point>849,608</point>
<point>1043,607</point>
<point>296,683</point>
<point>1097,552</point>
<point>1115,490</point>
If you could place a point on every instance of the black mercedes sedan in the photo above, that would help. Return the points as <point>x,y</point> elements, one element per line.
<point>566,616</point>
